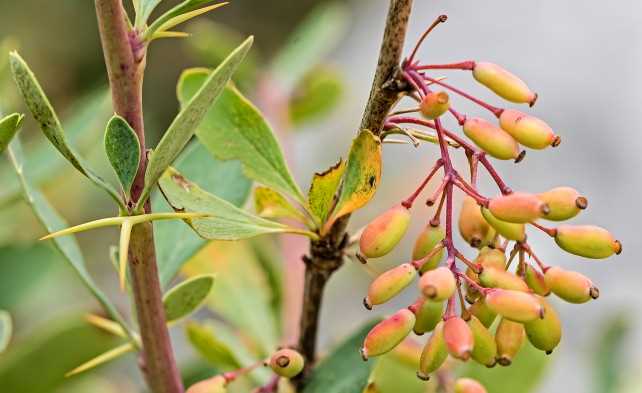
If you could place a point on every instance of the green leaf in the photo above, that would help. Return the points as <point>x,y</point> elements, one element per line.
<point>123,150</point>
<point>187,297</point>
<point>144,9</point>
<point>185,123</point>
<point>40,362</point>
<point>103,358</point>
<point>323,190</point>
<point>44,164</point>
<point>343,371</point>
<point>175,21</point>
<point>6,330</point>
<point>523,375</point>
<point>321,31</point>
<point>227,222</point>
<point>392,374</point>
<point>270,204</point>
<point>180,9</point>
<point>9,126</point>
<point>234,129</point>
<point>177,242</point>
<point>210,347</point>
<point>316,95</point>
<point>44,114</point>
<point>51,220</point>
<point>608,356</point>
<point>362,176</point>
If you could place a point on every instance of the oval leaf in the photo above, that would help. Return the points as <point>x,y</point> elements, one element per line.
<point>184,125</point>
<point>123,150</point>
<point>186,297</point>
<point>210,347</point>
<point>9,126</point>
<point>316,95</point>
<point>361,177</point>
<point>234,129</point>
<point>324,189</point>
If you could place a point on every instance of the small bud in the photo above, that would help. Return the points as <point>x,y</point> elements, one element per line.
<point>503,83</point>
<point>527,130</point>
<point>509,338</point>
<point>427,240</point>
<point>434,104</point>
<point>491,139</point>
<point>481,310</point>
<point>545,333</point>
<point>485,348</point>
<point>491,277</point>
<point>287,363</point>
<point>384,232</point>
<point>587,241</point>
<point>570,286</point>
<point>388,333</point>
<point>389,284</point>
<point>509,230</point>
<point>518,207</point>
<point>427,316</point>
<point>514,305</point>
<point>459,338</point>
<point>534,279</point>
<point>215,384</point>
<point>467,385</point>
<point>474,229</point>
<point>564,203</point>
<point>438,284</point>
<point>434,353</point>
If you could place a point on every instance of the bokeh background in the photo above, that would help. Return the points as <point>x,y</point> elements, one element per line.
<point>583,58</point>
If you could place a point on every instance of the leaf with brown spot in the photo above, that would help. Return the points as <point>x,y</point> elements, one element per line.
<point>323,190</point>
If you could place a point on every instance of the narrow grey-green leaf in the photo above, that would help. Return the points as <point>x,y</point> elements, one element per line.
<point>185,6</point>
<point>9,126</point>
<point>234,129</point>
<point>51,220</point>
<point>144,9</point>
<point>123,150</point>
<point>177,242</point>
<point>6,330</point>
<point>186,297</point>
<point>43,112</point>
<point>185,123</point>
<point>228,222</point>
<point>343,371</point>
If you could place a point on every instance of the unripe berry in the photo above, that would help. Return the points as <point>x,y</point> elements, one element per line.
<point>467,385</point>
<point>527,130</point>
<point>473,228</point>
<point>438,284</point>
<point>514,305</point>
<point>587,241</point>
<point>503,83</point>
<point>509,230</point>
<point>499,278</point>
<point>434,353</point>
<point>518,207</point>
<point>287,363</point>
<point>434,104</point>
<point>509,337</point>
<point>427,240</point>
<point>534,279</point>
<point>389,284</point>
<point>570,286</point>
<point>388,333</point>
<point>427,315</point>
<point>408,352</point>
<point>459,338</point>
<point>383,233</point>
<point>485,348</point>
<point>545,333</point>
<point>564,203</point>
<point>212,385</point>
<point>491,139</point>
<point>481,310</point>
<point>487,258</point>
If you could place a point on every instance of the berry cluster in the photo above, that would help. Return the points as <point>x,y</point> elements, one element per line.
<point>492,226</point>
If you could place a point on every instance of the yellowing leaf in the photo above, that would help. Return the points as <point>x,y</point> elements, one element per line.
<point>216,352</point>
<point>361,177</point>
<point>323,190</point>
<point>102,358</point>
<point>271,204</point>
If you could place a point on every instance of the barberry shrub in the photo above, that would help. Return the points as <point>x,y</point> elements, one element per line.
<point>178,203</point>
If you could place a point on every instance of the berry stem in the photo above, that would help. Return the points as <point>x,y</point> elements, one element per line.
<point>552,232</point>
<point>435,23</point>
<point>464,65</point>
<point>411,199</point>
